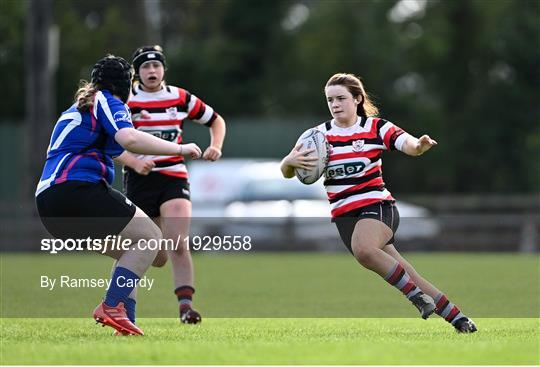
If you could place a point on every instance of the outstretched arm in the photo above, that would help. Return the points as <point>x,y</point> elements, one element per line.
<point>143,143</point>
<point>413,146</point>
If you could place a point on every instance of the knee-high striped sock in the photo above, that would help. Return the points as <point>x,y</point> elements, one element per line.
<point>400,279</point>
<point>185,296</point>
<point>447,310</point>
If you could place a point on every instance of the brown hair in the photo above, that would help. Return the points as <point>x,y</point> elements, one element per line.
<point>84,97</point>
<point>366,108</point>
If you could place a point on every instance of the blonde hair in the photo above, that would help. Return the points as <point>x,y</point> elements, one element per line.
<point>354,85</point>
<point>84,97</point>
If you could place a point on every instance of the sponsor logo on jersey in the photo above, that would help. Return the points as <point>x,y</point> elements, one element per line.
<point>169,135</point>
<point>344,169</point>
<point>357,145</point>
<point>121,116</point>
<point>172,112</point>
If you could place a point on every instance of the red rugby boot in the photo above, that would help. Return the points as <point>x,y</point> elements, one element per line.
<point>116,318</point>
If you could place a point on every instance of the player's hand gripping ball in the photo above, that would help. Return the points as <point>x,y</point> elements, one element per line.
<point>313,139</point>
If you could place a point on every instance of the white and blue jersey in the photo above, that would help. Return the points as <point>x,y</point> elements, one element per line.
<point>82,143</point>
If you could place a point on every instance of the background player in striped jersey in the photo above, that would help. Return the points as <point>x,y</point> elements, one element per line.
<point>74,197</point>
<point>159,185</point>
<point>362,208</point>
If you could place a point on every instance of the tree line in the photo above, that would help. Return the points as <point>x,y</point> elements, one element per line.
<point>465,71</point>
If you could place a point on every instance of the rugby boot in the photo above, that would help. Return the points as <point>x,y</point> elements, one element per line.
<point>116,318</point>
<point>190,316</point>
<point>465,325</point>
<point>424,303</point>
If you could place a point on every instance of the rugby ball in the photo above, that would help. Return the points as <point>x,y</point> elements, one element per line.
<point>316,139</point>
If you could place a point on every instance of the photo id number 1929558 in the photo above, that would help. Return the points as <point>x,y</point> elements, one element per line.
<point>218,243</point>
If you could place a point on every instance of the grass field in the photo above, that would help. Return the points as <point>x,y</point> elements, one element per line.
<point>272,341</point>
<point>325,309</point>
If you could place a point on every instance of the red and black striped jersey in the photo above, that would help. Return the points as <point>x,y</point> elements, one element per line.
<point>353,177</point>
<point>162,114</point>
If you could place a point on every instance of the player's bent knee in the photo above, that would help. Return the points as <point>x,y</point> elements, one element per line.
<point>160,260</point>
<point>154,232</point>
<point>150,231</point>
<point>141,228</point>
<point>364,254</point>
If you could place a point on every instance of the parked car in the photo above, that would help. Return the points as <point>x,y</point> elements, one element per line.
<point>250,197</point>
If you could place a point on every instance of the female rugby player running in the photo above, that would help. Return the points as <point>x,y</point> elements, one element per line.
<point>74,197</point>
<point>362,208</point>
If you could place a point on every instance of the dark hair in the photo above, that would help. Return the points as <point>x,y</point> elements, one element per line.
<point>366,108</point>
<point>147,53</point>
<point>111,73</point>
<point>114,74</point>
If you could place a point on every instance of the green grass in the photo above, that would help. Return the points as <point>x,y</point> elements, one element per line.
<point>279,308</point>
<point>294,284</point>
<point>272,341</point>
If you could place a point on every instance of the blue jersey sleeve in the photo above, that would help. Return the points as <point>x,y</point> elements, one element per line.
<point>111,113</point>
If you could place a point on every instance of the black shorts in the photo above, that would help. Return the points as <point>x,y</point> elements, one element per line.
<point>80,209</point>
<point>149,192</point>
<point>385,211</point>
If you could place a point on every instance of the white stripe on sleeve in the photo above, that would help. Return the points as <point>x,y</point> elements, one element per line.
<point>207,115</point>
<point>192,102</point>
<point>105,106</point>
<point>401,140</point>
<point>384,129</point>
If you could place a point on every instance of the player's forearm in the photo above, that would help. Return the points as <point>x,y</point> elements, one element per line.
<point>217,133</point>
<point>286,169</point>
<point>410,146</point>
<point>143,143</point>
<point>126,159</point>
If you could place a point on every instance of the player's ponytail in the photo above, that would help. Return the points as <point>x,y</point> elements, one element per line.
<point>84,97</point>
<point>366,108</point>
